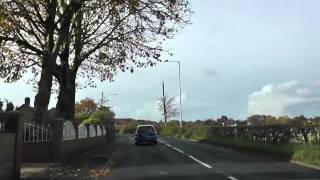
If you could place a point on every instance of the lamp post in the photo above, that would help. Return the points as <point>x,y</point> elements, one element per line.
<point>178,62</point>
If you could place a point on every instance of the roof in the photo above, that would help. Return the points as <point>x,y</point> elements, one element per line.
<point>145,125</point>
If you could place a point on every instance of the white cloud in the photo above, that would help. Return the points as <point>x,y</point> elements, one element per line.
<point>177,99</point>
<point>280,99</point>
<point>148,111</point>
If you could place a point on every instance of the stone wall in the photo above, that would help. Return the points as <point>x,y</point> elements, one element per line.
<point>274,134</point>
<point>10,143</point>
<point>65,141</point>
<point>7,155</point>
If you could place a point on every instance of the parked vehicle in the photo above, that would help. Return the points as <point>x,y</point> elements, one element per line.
<point>146,133</point>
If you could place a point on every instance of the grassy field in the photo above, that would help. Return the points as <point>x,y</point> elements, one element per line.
<point>305,153</point>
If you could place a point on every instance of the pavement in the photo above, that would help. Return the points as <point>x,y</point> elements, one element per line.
<point>89,164</point>
<point>174,159</point>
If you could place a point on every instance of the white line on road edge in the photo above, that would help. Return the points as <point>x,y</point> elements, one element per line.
<point>200,162</point>
<point>193,140</point>
<point>232,178</point>
<point>179,150</point>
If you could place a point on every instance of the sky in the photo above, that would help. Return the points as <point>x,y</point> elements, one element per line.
<point>238,58</point>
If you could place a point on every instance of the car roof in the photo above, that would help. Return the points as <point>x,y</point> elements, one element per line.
<point>146,125</point>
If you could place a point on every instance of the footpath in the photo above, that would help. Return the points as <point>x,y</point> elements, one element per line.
<point>91,164</point>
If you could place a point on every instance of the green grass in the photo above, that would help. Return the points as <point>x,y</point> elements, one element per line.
<point>305,153</point>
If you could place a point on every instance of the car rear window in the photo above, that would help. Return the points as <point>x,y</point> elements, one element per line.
<point>146,129</point>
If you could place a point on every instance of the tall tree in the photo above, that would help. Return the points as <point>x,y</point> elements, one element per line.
<point>167,106</point>
<point>32,34</point>
<point>110,35</point>
<point>88,39</point>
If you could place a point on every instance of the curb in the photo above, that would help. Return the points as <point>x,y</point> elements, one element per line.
<point>305,165</point>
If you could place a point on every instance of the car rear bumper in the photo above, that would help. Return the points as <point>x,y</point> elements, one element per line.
<point>146,139</point>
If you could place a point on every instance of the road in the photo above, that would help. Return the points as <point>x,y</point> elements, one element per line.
<point>183,159</point>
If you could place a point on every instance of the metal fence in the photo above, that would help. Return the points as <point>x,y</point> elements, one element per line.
<point>35,133</point>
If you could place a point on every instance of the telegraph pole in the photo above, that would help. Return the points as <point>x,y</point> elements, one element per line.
<point>180,99</point>
<point>164,105</point>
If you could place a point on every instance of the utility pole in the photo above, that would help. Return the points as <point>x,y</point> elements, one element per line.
<point>105,100</point>
<point>164,105</point>
<point>178,62</point>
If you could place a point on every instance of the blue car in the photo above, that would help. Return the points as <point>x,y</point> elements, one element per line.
<point>146,133</point>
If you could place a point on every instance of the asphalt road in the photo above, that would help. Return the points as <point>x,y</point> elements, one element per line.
<point>183,159</point>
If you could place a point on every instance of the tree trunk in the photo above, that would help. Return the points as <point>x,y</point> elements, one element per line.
<point>66,100</point>
<point>42,98</point>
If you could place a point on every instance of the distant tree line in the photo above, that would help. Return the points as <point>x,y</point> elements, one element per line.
<point>224,121</point>
<point>259,120</point>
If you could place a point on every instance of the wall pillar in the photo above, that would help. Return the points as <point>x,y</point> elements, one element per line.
<point>57,137</point>
<point>76,128</point>
<point>88,131</point>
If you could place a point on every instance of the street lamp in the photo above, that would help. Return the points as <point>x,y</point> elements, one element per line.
<point>178,62</point>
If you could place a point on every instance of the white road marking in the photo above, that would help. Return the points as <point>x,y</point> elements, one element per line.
<point>168,145</point>
<point>232,178</point>
<point>200,162</point>
<point>179,150</point>
<point>197,160</point>
<point>193,140</point>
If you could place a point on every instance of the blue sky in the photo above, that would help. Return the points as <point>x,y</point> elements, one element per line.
<point>238,58</point>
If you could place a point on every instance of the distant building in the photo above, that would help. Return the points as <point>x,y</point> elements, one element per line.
<point>27,112</point>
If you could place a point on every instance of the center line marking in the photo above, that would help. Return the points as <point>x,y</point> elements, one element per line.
<point>232,178</point>
<point>179,150</point>
<point>193,158</point>
<point>200,162</point>
<point>168,145</point>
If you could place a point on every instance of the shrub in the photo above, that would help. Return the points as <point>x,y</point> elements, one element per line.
<point>80,117</point>
<point>101,116</point>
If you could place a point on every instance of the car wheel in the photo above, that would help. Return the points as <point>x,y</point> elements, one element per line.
<point>136,143</point>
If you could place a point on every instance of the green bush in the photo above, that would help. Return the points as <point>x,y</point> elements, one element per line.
<point>130,128</point>
<point>100,116</point>
<point>80,117</point>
